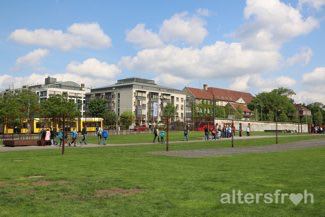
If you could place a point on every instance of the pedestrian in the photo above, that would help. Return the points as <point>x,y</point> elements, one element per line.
<point>186,132</point>
<point>155,134</point>
<point>104,136</point>
<point>84,133</point>
<point>206,133</point>
<point>99,134</point>
<point>248,130</point>
<point>162,135</point>
<point>214,134</point>
<point>47,137</point>
<point>52,137</point>
<point>60,137</point>
<point>43,134</point>
<point>74,136</point>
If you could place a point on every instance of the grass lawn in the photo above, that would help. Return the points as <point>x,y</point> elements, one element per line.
<point>128,181</point>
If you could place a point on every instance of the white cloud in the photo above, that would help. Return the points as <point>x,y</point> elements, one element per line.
<point>171,80</point>
<point>309,96</point>
<point>204,12</point>
<point>301,58</point>
<point>220,60</point>
<point>271,23</point>
<point>93,68</point>
<point>182,27</point>
<point>33,58</point>
<point>316,77</point>
<point>248,82</point>
<point>143,38</point>
<point>88,35</point>
<point>317,4</point>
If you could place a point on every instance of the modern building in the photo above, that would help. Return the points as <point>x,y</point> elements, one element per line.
<point>72,90</point>
<point>143,97</point>
<point>212,96</point>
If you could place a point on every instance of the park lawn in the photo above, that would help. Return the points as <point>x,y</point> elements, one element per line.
<point>90,182</point>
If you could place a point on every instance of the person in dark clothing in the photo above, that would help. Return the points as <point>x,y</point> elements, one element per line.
<point>43,134</point>
<point>53,136</point>
<point>155,133</point>
<point>186,132</point>
<point>206,133</point>
<point>83,133</point>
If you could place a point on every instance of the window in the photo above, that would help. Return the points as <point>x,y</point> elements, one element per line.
<point>177,99</point>
<point>182,99</point>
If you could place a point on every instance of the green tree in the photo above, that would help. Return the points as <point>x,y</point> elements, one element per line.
<point>29,106</point>
<point>59,109</point>
<point>10,111</point>
<point>126,119</point>
<point>97,108</point>
<point>283,117</point>
<point>169,110</point>
<point>270,116</point>
<point>318,118</point>
<point>275,101</point>
<point>110,118</point>
<point>220,112</point>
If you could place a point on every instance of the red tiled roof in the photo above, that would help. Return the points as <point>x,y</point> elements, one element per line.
<point>220,94</point>
<point>230,95</point>
<point>243,107</point>
<point>199,93</point>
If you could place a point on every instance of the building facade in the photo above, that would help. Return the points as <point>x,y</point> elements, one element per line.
<point>210,97</point>
<point>72,90</point>
<point>143,97</point>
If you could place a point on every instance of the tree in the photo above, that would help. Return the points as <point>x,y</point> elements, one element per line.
<point>10,111</point>
<point>110,118</point>
<point>283,117</point>
<point>318,118</point>
<point>169,111</point>
<point>220,112</point>
<point>59,109</point>
<point>126,119</point>
<point>278,100</point>
<point>97,108</point>
<point>29,106</point>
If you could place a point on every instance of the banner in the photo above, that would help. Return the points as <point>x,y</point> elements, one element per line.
<point>155,109</point>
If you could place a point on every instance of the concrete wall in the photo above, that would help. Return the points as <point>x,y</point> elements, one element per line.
<point>261,126</point>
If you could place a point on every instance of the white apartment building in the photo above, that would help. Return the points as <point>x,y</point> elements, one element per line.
<point>72,90</point>
<point>143,97</point>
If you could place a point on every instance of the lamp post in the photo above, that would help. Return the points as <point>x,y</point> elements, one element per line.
<point>232,133</point>
<point>276,126</point>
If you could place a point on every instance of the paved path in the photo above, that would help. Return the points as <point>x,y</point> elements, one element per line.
<point>243,150</point>
<point>26,148</point>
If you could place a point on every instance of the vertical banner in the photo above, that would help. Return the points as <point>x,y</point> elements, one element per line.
<point>155,109</point>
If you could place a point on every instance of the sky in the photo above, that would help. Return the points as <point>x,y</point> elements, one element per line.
<point>251,46</point>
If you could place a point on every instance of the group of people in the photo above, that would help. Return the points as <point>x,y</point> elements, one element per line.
<point>102,135</point>
<point>226,131</point>
<point>159,135</point>
<point>51,137</point>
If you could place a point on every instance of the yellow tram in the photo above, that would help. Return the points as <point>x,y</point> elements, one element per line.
<point>39,123</point>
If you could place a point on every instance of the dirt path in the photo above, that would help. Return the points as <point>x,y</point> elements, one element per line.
<point>27,148</point>
<point>243,150</point>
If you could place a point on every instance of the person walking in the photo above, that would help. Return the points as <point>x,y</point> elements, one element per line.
<point>47,137</point>
<point>84,134</point>
<point>43,134</point>
<point>162,135</point>
<point>60,137</point>
<point>186,132</point>
<point>99,134</point>
<point>206,133</point>
<point>214,134</point>
<point>155,134</point>
<point>248,130</point>
<point>74,136</point>
<point>52,137</point>
<point>104,137</point>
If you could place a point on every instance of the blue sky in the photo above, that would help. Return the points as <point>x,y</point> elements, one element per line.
<point>252,45</point>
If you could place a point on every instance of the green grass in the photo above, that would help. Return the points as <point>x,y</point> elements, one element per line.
<point>170,186</point>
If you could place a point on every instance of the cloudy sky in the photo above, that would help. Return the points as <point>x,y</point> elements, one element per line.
<point>252,45</point>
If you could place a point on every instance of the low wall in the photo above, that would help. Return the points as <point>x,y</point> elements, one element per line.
<point>262,126</point>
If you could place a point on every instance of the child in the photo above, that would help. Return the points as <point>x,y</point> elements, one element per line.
<point>60,137</point>
<point>104,136</point>
<point>162,135</point>
<point>74,136</point>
